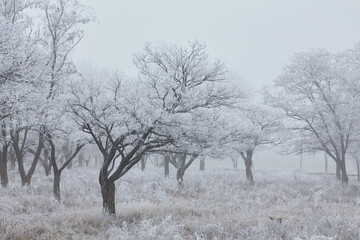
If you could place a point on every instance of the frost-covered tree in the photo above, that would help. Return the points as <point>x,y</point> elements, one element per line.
<point>168,109</point>
<point>62,32</point>
<point>320,112</point>
<point>183,82</point>
<point>21,70</point>
<point>123,124</point>
<point>256,125</point>
<point>58,136</point>
<point>43,112</point>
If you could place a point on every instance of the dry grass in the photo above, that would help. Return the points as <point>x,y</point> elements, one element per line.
<point>215,204</point>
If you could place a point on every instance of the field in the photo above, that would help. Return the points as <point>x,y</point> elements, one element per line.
<point>213,204</point>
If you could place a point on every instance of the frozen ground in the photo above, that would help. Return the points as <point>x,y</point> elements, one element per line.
<point>214,204</point>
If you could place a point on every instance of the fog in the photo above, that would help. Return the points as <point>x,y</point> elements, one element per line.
<point>254,38</point>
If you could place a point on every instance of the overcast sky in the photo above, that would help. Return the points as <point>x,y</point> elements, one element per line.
<point>254,37</point>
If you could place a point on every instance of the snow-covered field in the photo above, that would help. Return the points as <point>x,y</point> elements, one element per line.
<point>214,204</point>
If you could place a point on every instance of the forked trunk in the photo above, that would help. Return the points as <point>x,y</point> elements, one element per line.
<point>248,165</point>
<point>26,180</point>
<point>179,175</point>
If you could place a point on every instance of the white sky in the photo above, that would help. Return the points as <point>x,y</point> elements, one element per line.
<point>254,37</point>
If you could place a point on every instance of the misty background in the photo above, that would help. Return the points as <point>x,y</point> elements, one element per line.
<point>254,38</point>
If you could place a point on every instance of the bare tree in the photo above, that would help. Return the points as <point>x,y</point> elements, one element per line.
<point>20,148</point>
<point>20,71</point>
<point>258,127</point>
<point>183,82</point>
<point>312,93</point>
<point>58,169</point>
<point>114,117</point>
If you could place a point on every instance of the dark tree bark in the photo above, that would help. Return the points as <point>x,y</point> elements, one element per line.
<point>20,151</point>
<point>4,158</point>
<point>344,176</point>
<point>178,160</point>
<point>57,171</point>
<point>248,165</point>
<point>108,195</point>
<point>180,176</point>
<point>56,185</point>
<point>338,173</point>
<point>3,165</point>
<point>45,160</point>
<point>130,155</point>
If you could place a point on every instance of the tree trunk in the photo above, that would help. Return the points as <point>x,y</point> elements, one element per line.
<point>143,162</point>
<point>47,170</point>
<point>56,185</point>
<point>358,170</point>
<point>46,162</point>
<point>20,153</point>
<point>338,174</point>
<point>12,159</point>
<point>344,176</point>
<point>27,181</point>
<point>3,166</point>
<point>202,164</point>
<point>248,165</point>
<point>179,175</point>
<point>166,165</point>
<point>235,162</point>
<point>108,195</point>
<point>326,163</point>
<point>249,175</point>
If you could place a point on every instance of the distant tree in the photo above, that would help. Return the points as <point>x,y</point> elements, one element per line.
<point>234,160</point>
<point>256,126</point>
<point>20,138</point>
<point>166,164</point>
<point>143,161</point>
<point>57,170</point>
<point>63,20</point>
<point>312,93</point>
